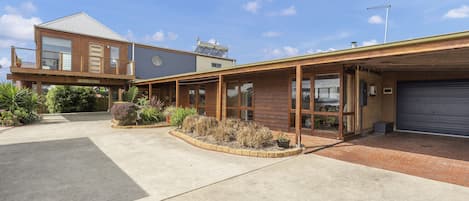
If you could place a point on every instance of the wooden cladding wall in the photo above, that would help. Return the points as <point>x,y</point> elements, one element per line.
<point>270,98</point>
<point>80,49</point>
<point>211,99</point>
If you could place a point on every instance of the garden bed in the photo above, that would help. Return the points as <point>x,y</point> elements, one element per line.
<point>231,147</point>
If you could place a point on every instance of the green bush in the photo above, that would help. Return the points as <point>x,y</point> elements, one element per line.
<point>131,94</point>
<point>63,99</point>
<point>19,105</point>
<point>125,113</point>
<point>180,114</point>
<point>149,115</point>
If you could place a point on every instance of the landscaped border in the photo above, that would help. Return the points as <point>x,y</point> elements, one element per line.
<point>158,125</point>
<point>229,150</point>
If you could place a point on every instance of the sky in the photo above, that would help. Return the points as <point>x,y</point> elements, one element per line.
<point>253,30</point>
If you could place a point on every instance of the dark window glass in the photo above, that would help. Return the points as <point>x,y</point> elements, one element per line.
<point>201,111</point>
<point>247,115</point>
<point>201,97</point>
<point>306,93</point>
<point>232,113</point>
<point>305,120</point>
<point>246,94</point>
<point>292,120</point>
<point>114,57</point>
<point>232,95</point>
<point>56,51</point>
<point>216,65</point>
<point>293,94</point>
<point>328,123</point>
<point>192,97</point>
<point>326,93</point>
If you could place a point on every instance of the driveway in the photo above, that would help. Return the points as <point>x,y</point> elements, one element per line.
<point>64,157</point>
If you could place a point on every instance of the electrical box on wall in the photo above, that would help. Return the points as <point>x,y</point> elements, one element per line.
<point>373,91</point>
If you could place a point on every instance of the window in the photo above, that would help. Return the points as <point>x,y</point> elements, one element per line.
<point>56,54</point>
<point>114,57</point>
<point>326,93</point>
<point>197,99</point>
<point>216,65</point>
<point>239,101</point>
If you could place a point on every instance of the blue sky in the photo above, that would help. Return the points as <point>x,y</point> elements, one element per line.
<point>254,30</point>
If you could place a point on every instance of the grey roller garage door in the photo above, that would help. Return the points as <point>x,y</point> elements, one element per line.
<point>434,106</point>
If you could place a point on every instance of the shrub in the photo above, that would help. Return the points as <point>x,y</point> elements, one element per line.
<point>169,111</point>
<point>143,101</point>
<point>19,105</point>
<point>205,125</point>
<point>254,135</point>
<point>221,133</point>
<point>150,115</point>
<point>180,114</point>
<point>125,113</point>
<point>9,119</point>
<point>64,99</point>
<point>131,94</point>
<point>188,125</point>
<point>155,102</point>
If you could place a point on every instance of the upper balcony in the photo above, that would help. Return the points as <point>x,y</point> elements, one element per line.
<point>34,61</point>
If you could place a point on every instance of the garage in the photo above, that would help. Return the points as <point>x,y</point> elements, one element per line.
<point>440,107</point>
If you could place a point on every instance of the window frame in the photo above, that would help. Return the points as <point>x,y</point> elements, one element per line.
<point>238,107</point>
<point>59,64</point>
<point>196,105</point>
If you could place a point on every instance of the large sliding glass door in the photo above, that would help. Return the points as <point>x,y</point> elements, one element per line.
<point>327,103</point>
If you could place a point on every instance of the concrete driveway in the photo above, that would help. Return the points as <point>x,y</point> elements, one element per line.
<point>165,168</point>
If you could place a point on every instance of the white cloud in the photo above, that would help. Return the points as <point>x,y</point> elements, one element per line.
<point>18,27</point>
<point>130,35</point>
<point>161,36</point>
<point>158,36</point>
<point>314,51</point>
<point>370,42</point>
<point>172,36</point>
<point>375,19</point>
<point>461,12</point>
<point>4,62</point>
<point>285,51</point>
<point>271,34</point>
<point>24,8</point>
<point>252,6</point>
<point>288,11</point>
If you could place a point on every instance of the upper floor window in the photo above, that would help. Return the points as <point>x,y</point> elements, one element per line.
<point>114,57</point>
<point>216,65</point>
<point>56,54</point>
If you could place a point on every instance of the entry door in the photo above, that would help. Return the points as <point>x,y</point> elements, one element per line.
<point>96,54</point>
<point>434,106</point>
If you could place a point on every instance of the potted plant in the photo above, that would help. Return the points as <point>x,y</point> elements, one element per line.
<point>168,111</point>
<point>283,141</point>
<point>19,62</point>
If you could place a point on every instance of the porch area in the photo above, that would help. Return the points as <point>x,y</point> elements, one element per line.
<point>439,158</point>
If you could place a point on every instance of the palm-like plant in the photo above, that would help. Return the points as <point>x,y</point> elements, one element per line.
<point>131,94</point>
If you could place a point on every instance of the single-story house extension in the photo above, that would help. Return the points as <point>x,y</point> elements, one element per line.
<point>419,85</point>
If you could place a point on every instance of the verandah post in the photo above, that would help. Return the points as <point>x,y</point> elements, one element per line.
<point>299,78</point>
<point>177,93</point>
<point>219,97</point>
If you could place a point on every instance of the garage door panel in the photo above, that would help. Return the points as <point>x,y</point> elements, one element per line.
<point>434,106</point>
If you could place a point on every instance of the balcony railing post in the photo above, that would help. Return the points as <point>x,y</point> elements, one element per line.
<point>13,57</point>
<point>81,63</point>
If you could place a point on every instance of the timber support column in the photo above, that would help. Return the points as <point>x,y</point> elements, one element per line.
<point>119,94</point>
<point>219,97</point>
<point>177,93</point>
<point>39,88</point>
<point>149,91</point>
<point>299,79</point>
<point>109,99</point>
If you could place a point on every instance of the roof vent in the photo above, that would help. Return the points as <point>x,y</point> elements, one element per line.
<point>354,44</point>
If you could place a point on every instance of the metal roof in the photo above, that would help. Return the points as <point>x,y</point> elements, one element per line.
<point>82,23</point>
<point>325,54</point>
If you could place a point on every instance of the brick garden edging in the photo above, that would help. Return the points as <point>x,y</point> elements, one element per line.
<point>229,150</point>
<point>114,125</point>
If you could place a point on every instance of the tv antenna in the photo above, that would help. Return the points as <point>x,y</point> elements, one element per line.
<point>387,7</point>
